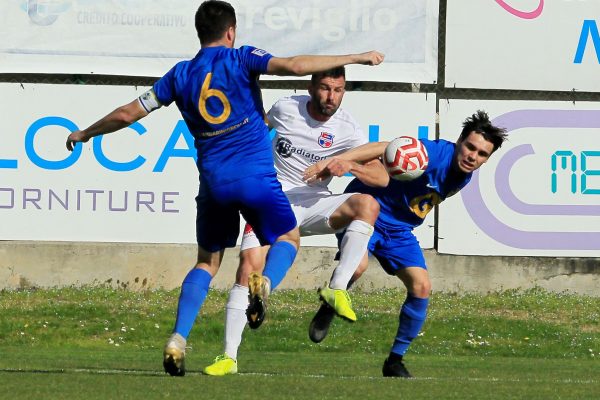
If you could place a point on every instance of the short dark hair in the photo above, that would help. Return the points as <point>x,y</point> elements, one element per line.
<point>480,123</point>
<point>330,73</point>
<point>213,18</point>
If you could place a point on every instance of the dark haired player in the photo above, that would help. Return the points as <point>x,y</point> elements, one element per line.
<point>218,95</point>
<point>403,206</point>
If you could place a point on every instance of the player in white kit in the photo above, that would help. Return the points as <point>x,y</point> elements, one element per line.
<point>308,129</point>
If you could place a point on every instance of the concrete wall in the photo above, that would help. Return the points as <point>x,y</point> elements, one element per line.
<point>147,266</point>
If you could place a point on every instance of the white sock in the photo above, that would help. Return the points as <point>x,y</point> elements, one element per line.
<point>353,248</point>
<point>235,319</point>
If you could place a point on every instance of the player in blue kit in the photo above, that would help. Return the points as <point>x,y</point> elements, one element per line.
<point>219,98</point>
<point>403,206</point>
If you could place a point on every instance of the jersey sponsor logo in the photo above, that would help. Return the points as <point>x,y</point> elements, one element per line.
<point>325,140</point>
<point>285,149</point>
<point>259,52</point>
<point>421,205</point>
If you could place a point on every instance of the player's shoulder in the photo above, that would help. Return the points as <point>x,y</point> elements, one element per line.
<point>294,99</point>
<point>248,50</point>
<point>440,153</point>
<point>181,67</point>
<point>437,146</point>
<point>342,116</point>
<point>290,102</point>
<point>178,73</point>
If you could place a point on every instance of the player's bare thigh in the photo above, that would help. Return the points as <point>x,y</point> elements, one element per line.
<point>358,206</point>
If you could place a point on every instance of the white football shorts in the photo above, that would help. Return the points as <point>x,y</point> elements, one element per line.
<point>312,211</point>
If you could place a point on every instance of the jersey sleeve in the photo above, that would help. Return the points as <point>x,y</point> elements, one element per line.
<point>254,59</point>
<point>359,136</point>
<point>275,112</point>
<point>164,88</point>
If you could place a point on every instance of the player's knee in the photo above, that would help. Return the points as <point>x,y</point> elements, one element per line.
<point>292,237</point>
<point>365,207</point>
<point>421,288</point>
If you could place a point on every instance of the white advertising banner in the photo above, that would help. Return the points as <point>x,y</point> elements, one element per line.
<point>137,185</point>
<point>523,44</point>
<point>145,38</point>
<point>539,195</point>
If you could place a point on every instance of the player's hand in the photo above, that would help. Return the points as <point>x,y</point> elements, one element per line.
<point>339,167</point>
<point>316,172</point>
<point>74,137</point>
<point>370,58</point>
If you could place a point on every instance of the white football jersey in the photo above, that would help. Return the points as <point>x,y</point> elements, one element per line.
<point>301,141</point>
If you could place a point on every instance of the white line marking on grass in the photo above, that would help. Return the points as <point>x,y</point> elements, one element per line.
<point>142,372</point>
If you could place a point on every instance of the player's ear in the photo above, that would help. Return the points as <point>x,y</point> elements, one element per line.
<point>230,34</point>
<point>310,88</point>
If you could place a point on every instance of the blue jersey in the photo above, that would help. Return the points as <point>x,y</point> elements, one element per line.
<point>404,204</point>
<point>219,98</point>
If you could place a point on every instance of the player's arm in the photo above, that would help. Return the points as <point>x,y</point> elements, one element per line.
<point>117,119</point>
<point>359,155</point>
<point>309,64</point>
<point>371,173</point>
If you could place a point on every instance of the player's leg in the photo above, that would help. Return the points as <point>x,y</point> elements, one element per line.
<point>193,293</point>
<point>279,259</point>
<point>319,325</point>
<point>252,257</point>
<point>268,210</point>
<point>402,256</point>
<point>217,227</point>
<point>357,214</point>
<point>412,317</point>
<point>330,213</point>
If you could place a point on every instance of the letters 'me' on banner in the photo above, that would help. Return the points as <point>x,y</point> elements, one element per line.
<point>539,194</point>
<point>145,38</point>
<point>523,44</point>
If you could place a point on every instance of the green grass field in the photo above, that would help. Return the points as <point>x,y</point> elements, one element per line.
<point>102,343</point>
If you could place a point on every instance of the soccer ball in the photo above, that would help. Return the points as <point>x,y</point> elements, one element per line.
<point>405,158</point>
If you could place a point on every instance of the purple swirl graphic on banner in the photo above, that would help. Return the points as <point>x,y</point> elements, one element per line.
<point>510,199</point>
<point>519,239</point>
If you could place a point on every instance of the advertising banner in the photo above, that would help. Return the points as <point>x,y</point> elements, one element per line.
<point>523,44</point>
<point>539,194</point>
<point>138,184</point>
<point>145,38</point>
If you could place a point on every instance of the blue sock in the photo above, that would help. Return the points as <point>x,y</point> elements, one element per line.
<point>280,258</point>
<point>193,292</point>
<point>412,317</point>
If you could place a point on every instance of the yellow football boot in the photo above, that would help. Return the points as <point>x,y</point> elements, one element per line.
<point>223,365</point>
<point>339,300</point>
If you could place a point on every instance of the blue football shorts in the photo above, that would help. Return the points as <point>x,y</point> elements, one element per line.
<point>394,249</point>
<point>259,199</point>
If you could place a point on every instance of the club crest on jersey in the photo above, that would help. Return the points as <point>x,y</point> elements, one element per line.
<point>326,140</point>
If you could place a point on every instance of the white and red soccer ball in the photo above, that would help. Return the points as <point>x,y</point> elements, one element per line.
<point>405,158</point>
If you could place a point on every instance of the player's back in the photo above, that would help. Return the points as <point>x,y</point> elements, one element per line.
<point>218,95</point>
